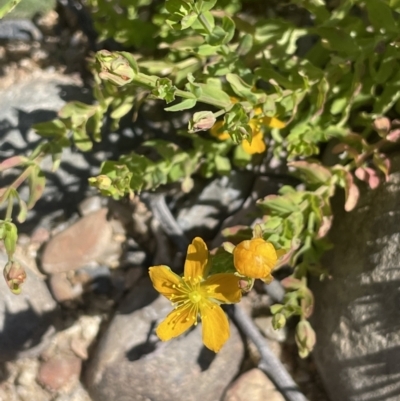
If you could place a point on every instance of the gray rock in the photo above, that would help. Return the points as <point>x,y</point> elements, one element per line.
<point>62,289</point>
<point>19,29</point>
<point>37,97</point>
<point>264,323</point>
<point>357,315</point>
<point>222,197</point>
<point>26,320</point>
<point>130,364</point>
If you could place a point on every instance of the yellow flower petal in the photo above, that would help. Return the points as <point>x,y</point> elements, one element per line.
<point>218,133</point>
<point>215,326</point>
<point>258,111</point>
<point>257,144</point>
<point>223,287</point>
<point>165,281</point>
<point>196,260</point>
<point>177,322</point>
<point>273,122</point>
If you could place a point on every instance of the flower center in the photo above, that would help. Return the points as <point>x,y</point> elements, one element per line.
<point>195,297</point>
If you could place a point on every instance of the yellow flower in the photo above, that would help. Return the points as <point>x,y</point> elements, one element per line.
<point>194,295</point>
<point>255,258</point>
<point>257,144</point>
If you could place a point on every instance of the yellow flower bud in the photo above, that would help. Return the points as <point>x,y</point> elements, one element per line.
<point>255,258</point>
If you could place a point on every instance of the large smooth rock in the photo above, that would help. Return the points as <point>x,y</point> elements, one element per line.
<point>357,315</point>
<point>83,242</point>
<point>26,320</point>
<point>131,364</point>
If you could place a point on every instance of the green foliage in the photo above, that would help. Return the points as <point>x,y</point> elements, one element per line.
<point>333,78</point>
<point>25,8</point>
<point>7,6</point>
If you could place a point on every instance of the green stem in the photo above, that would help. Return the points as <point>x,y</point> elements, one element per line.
<point>302,301</point>
<point>149,82</point>
<point>363,157</point>
<point>9,208</point>
<point>19,180</point>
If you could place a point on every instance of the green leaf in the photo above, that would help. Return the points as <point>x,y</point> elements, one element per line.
<point>240,157</point>
<point>77,113</point>
<point>164,148</point>
<point>278,204</point>
<point>81,139</point>
<point>337,40</point>
<point>131,62</point>
<point>338,105</point>
<point>8,7</point>
<point>11,162</point>
<point>313,173</point>
<point>178,7</point>
<point>222,164</point>
<point>316,7</point>
<point>269,73</point>
<point>222,262</point>
<point>164,90</point>
<point>241,88</point>
<point>245,45</point>
<point>352,193</point>
<point>23,210</point>
<point>221,35</point>
<point>183,105</point>
<point>209,19</point>
<point>188,20</point>
<point>123,108</point>
<point>276,308</point>
<point>206,5</point>
<point>10,238</point>
<point>54,128</point>
<point>212,90</point>
<point>381,16</point>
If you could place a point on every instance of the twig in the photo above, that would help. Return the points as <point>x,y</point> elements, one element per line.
<point>167,221</point>
<point>275,290</point>
<point>269,363</point>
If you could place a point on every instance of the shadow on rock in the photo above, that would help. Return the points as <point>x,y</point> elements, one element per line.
<point>357,315</point>
<point>24,332</point>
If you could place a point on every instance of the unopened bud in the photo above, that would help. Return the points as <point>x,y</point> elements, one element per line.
<point>15,276</point>
<point>246,284</point>
<point>228,246</point>
<point>102,182</point>
<point>305,338</point>
<point>382,125</point>
<point>202,121</point>
<point>278,321</point>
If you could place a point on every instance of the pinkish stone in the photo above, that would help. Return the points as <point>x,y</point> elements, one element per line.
<point>59,371</point>
<point>78,245</point>
<point>253,385</point>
